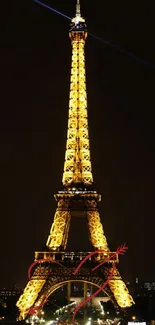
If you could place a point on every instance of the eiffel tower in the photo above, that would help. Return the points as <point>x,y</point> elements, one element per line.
<point>77,198</point>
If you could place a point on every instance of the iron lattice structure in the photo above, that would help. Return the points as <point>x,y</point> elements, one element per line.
<point>77,197</point>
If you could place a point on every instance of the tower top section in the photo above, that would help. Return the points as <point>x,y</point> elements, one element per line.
<point>78,26</point>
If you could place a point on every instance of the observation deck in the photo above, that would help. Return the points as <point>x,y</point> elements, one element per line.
<point>109,257</point>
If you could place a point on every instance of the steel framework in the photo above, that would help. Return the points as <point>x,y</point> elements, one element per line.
<point>77,195</point>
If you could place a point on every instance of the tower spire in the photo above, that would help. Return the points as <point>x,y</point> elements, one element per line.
<point>78,12</point>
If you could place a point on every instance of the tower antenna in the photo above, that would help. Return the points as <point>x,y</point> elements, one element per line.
<point>78,12</point>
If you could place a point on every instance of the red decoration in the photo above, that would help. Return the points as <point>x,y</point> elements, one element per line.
<point>120,251</point>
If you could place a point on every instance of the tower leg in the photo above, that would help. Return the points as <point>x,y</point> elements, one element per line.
<point>119,289</point>
<point>60,227</point>
<point>96,232</point>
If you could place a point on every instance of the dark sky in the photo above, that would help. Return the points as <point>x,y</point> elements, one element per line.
<point>34,82</point>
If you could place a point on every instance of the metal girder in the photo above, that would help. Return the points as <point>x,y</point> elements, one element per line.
<point>77,167</point>
<point>77,172</point>
<point>60,227</point>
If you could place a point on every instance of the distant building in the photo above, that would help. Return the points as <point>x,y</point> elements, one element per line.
<point>150,286</point>
<point>6,293</point>
<point>141,289</point>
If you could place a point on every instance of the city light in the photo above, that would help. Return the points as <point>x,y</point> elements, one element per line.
<point>136,323</point>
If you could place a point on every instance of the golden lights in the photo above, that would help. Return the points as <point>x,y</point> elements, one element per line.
<point>60,227</point>
<point>77,170</point>
<point>29,296</point>
<point>121,293</point>
<point>77,167</point>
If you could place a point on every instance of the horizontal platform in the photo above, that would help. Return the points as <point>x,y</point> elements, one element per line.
<point>111,257</point>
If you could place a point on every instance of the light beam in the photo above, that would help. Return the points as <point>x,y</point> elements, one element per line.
<point>52,9</point>
<point>114,46</point>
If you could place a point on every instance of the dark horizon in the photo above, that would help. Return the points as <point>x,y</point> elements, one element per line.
<point>35,70</point>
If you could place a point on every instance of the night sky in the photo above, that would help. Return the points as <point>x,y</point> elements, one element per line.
<point>34,90</point>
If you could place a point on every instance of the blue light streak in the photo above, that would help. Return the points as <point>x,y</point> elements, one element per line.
<point>114,46</point>
<point>52,9</point>
<point>118,48</point>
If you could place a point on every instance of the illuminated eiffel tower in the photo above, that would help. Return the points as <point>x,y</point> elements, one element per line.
<point>78,198</point>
